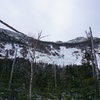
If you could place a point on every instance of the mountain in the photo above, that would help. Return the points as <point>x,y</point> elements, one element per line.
<point>77,40</point>
<point>60,53</point>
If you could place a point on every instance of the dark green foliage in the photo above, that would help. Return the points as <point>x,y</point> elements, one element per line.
<point>73,82</point>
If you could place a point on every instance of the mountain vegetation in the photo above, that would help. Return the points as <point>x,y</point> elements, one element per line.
<point>74,82</point>
<point>31,69</point>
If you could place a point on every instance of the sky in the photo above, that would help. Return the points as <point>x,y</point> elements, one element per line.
<point>59,20</point>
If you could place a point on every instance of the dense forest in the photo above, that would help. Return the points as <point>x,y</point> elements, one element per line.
<point>71,82</point>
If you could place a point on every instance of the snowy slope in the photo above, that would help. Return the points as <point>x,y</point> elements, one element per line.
<point>77,40</point>
<point>65,56</point>
<point>53,53</point>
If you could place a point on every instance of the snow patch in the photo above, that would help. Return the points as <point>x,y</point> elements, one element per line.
<point>66,56</point>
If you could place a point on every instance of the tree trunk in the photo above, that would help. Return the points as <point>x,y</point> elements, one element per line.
<point>31,79</point>
<point>55,77</point>
<point>12,70</point>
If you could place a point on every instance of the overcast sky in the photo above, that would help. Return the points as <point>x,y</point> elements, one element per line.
<point>59,19</point>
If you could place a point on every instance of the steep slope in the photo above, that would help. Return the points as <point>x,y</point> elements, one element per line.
<point>60,53</point>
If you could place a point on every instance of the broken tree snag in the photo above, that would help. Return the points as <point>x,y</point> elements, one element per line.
<point>93,54</point>
<point>10,27</point>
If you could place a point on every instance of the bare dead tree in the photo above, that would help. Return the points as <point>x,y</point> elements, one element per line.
<point>55,77</point>
<point>12,70</point>
<point>9,26</point>
<point>93,54</point>
<point>32,55</point>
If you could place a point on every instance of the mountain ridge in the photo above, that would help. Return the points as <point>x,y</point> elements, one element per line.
<point>59,52</point>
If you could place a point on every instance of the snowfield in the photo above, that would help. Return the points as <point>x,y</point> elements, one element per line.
<point>64,56</point>
<point>67,56</point>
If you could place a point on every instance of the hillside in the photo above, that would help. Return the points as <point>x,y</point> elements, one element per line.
<point>60,53</point>
<point>58,71</point>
